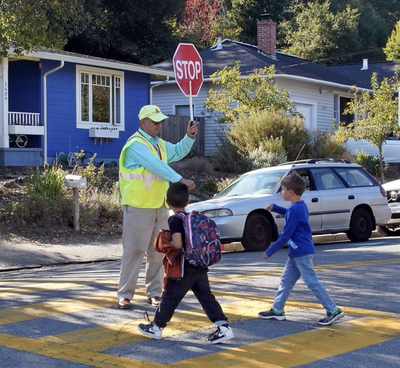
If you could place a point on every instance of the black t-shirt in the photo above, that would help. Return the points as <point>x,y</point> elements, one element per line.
<point>176,226</point>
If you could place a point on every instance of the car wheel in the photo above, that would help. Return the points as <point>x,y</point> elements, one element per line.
<point>389,230</point>
<point>257,233</point>
<point>360,226</point>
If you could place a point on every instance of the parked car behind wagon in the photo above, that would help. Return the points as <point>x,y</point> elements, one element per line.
<point>341,197</point>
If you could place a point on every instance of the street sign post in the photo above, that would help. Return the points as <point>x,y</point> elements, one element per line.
<point>188,69</point>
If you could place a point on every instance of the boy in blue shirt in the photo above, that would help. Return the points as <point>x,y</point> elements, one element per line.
<point>297,234</point>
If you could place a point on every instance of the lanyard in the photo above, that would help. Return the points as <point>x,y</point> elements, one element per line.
<point>157,148</point>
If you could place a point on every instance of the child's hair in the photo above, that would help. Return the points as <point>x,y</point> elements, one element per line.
<point>178,195</point>
<point>294,182</point>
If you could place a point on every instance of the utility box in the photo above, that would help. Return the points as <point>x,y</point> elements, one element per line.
<point>75,181</point>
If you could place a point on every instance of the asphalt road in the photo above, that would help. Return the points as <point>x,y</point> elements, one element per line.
<point>66,316</point>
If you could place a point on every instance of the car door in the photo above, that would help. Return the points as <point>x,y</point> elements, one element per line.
<point>336,200</point>
<point>311,198</point>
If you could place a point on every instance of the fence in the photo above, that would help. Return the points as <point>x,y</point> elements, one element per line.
<point>24,118</point>
<point>174,129</point>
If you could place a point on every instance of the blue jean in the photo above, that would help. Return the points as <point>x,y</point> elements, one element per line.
<point>304,267</point>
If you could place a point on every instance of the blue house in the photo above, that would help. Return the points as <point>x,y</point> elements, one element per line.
<point>54,102</point>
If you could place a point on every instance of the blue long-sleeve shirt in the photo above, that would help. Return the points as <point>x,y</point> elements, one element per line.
<point>296,232</point>
<point>137,155</point>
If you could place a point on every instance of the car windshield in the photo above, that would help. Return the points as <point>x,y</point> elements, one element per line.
<point>254,183</point>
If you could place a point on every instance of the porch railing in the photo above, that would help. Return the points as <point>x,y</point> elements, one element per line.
<point>24,118</point>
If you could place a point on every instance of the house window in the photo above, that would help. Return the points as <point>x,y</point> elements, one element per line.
<point>341,104</point>
<point>183,110</point>
<point>100,97</point>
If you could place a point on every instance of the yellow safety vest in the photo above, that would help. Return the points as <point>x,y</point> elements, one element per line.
<point>140,188</point>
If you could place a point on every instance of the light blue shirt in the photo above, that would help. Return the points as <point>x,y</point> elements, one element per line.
<point>138,155</point>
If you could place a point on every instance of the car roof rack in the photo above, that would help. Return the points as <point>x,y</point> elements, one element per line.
<point>318,160</point>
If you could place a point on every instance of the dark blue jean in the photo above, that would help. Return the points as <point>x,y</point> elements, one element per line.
<point>195,279</point>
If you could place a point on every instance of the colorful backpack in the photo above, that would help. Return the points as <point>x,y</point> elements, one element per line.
<point>203,247</point>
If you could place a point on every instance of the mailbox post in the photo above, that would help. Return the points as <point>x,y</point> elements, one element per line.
<point>75,182</point>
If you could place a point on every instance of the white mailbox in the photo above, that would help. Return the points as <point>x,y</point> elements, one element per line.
<point>75,181</point>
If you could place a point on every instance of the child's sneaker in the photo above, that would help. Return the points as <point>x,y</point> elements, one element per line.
<point>272,314</point>
<point>150,330</point>
<point>222,333</point>
<point>331,317</point>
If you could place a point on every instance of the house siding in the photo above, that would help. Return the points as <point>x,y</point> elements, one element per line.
<point>24,86</point>
<point>63,136</point>
<point>166,97</point>
<point>309,93</point>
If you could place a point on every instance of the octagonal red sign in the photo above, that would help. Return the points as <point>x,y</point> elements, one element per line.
<point>188,69</point>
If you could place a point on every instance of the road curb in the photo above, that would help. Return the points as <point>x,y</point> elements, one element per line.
<point>317,239</point>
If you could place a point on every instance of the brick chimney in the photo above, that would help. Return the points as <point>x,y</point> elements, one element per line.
<point>266,35</point>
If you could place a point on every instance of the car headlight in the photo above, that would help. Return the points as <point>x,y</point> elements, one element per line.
<point>218,213</point>
<point>394,195</point>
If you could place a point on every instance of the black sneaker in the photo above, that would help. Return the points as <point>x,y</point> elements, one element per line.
<point>223,333</point>
<point>150,330</point>
<point>331,317</point>
<point>272,314</point>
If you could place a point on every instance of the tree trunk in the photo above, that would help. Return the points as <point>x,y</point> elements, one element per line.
<point>380,163</point>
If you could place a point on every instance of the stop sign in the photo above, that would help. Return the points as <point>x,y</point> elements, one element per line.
<point>188,69</point>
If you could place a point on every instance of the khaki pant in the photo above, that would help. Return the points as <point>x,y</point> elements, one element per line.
<point>140,228</point>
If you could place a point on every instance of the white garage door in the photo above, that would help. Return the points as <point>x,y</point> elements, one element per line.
<point>307,112</point>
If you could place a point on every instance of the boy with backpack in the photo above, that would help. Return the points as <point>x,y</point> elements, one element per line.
<point>192,277</point>
<point>297,234</point>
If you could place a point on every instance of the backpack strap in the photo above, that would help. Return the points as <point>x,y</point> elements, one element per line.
<point>180,215</point>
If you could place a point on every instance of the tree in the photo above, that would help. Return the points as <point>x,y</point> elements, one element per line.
<point>246,95</point>
<point>199,25</point>
<point>33,23</point>
<point>392,49</point>
<point>243,15</point>
<point>375,115</point>
<point>130,30</point>
<point>316,33</point>
<point>376,19</point>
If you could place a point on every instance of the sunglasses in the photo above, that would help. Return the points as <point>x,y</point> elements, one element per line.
<point>155,122</point>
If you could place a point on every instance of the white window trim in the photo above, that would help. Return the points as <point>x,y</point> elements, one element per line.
<point>107,72</point>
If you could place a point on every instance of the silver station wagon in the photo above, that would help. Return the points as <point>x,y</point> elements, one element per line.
<point>340,196</point>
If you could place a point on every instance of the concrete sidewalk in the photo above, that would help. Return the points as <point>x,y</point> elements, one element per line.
<point>19,255</point>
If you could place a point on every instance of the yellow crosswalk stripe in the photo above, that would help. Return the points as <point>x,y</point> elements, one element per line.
<point>71,354</point>
<point>58,307</point>
<point>85,346</point>
<point>304,347</point>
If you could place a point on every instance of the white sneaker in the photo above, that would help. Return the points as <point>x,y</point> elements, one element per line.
<point>150,330</point>
<point>223,333</point>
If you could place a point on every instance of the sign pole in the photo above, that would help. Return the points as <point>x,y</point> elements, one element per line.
<point>190,101</point>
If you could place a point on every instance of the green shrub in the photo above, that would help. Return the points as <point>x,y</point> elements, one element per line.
<point>228,159</point>
<point>324,145</point>
<point>95,175</point>
<point>263,128</point>
<point>192,165</point>
<point>36,210</point>
<point>369,163</point>
<point>100,209</point>
<point>210,185</point>
<point>48,184</point>
<point>260,158</point>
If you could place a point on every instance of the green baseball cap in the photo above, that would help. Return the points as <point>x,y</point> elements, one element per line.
<point>152,112</point>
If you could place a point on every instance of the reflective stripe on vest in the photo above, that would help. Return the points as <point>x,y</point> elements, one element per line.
<point>148,178</point>
<point>141,188</point>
